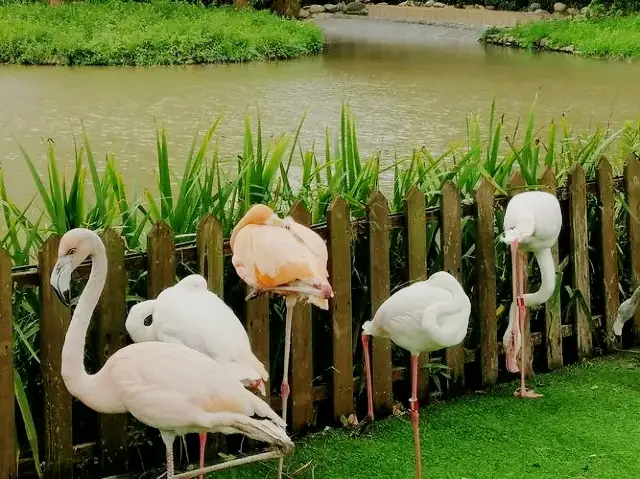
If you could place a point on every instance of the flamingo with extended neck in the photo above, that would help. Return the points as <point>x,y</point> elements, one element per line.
<point>532,223</point>
<point>425,316</point>
<point>283,257</point>
<point>171,387</point>
<point>188,313</point>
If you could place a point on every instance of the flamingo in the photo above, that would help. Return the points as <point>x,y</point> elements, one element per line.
<point>189,314</point>
<point>626,311</point>
<point>532,223</point>
<point>425,316</point>
<point>280,256</point>
<point>171,387</point>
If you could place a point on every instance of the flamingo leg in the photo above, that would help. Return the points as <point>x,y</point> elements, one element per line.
<point>203,442</point>
<point>168,444</point>
<point>284,388</point>
<point>367,372</point>
<point>415,414</point>
<point>523,392</point>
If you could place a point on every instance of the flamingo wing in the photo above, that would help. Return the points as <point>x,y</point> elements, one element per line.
<point>270,256</point>
<point>314,243</point>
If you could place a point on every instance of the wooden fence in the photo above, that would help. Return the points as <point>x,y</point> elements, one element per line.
<point>110,447</point>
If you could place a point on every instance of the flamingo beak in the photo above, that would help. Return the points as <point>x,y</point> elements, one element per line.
<point>327,291</point>
<point>60,279</point>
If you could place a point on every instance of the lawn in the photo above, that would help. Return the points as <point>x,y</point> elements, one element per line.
<point>608,36</point>
<point>156,33</point>
<point>586,426</point>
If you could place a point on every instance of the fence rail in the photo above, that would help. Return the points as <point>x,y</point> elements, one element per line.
<point>209,252</point>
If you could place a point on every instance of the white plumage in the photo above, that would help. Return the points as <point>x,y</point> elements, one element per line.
<point>626,311</point>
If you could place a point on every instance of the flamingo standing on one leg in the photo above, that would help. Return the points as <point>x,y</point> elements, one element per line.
<point>282,257</point>
<point>425,316</point>
<point>188,313</point>
<point>171,387</point>
<point>532,223</point>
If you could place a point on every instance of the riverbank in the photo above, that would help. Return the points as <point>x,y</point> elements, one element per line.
<point>615,37</point>
<point>145,34</point>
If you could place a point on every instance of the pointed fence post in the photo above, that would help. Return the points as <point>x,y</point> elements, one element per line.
<point>414,208</point>
<point>339,245</point>
<point>54,321</point>
<point>552,334</point>
<point>162,259</point>
<point>7,399</point>
<point>379,272</point>
<point>111,336</point>
<point>301,350</point>
<point>580,258</point>
<point>210,244</point>
<point>608,248</point>
<point>451,230</point>
<point>486,282</point>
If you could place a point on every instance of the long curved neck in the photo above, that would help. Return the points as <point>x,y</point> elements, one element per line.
<point>74,374</point>
<point>548,279</point>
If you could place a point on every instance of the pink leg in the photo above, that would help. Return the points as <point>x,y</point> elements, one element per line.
<point>284,388</point>
<point>415,414</point>
<point>524,350</point>
<point>367,372</point>
<point>203,442</point>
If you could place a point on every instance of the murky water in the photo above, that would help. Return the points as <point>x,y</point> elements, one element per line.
<point>408,85</point>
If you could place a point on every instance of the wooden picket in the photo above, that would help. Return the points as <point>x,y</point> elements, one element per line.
<point>111,336</point>
<point>339,247</point>
<point>451,229</point>
<point>7,401</point>
<point>301,368</point>
<point>486,282</point>
<point>54,320</point>
<point>414,206</point>
<point>608,248</point>
<point>209,253</point>
<point>632,189</point>
<point>379,289</point>
<point>580,259</point>
<point>552,334</point>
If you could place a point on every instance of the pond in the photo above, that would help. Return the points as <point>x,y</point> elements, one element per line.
<point>408,85</point>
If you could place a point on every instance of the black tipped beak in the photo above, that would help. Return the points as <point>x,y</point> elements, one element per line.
<point>64,296</point>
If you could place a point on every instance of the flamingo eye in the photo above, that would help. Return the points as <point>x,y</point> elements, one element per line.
<point>71,251</point>
<point>148,320</point>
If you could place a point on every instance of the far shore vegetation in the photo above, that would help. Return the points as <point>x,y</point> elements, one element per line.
<point>160,32</point>
<point>611,34</point>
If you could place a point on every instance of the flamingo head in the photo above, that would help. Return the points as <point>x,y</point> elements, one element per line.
<point>258,214</point>
<point>75,246</point>
<point>512,341</point>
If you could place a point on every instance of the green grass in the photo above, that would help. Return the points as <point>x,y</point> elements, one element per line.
<point>156,33</point>
<point>586,426</point>
<point>607,36</point>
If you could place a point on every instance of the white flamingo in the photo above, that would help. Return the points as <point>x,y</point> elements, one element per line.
<point>626,311</point>
<point>171,387</point>
<point>425,316</point>
<point>189,314</point>
<point>532,223</point>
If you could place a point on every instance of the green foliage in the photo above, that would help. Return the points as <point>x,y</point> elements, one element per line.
<point>155,33</point>
<point>612,36</point>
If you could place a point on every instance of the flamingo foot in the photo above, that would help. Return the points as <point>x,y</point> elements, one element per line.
<point>528,393</point>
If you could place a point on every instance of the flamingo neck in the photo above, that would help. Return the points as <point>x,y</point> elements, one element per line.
<point>452,322</point>
<point>80,384</point>
<point>548,279</point>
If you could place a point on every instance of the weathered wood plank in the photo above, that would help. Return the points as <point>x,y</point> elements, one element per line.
<point>301,350</point>
<point>580,257</point>
<point>632,190</point>
<point>608,248</point>
<point>451,230</point>
<point>7,400</point>
<point>210,243</point>
<point>552,311</point>
<point>111,336</point>
<point>339,245</point>
<point>486,282</point>
<point>161,246</point>
<point>517,185</point>
<point>257,321</point>
<point>54,321</point>
<point>379,288</point>
<point>414,206</point>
